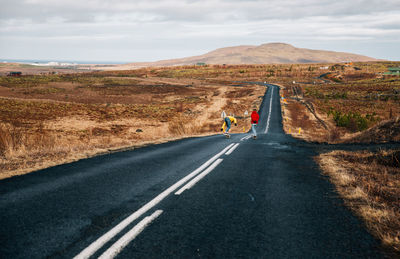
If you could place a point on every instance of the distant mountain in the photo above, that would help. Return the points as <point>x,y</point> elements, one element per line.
<point>271,53</point>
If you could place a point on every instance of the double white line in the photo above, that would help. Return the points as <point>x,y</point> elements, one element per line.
<point>207,171</point>
<point>116,248</point>
<point>112,251</point>
<point>232,149</point>
<point>199,177</point>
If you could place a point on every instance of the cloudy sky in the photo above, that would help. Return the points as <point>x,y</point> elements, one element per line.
<point>148,30</point>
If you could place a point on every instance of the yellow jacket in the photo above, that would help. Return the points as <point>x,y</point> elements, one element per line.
<point>231,118</point>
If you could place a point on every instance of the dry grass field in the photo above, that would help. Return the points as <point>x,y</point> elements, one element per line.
<point>337,103</point>
<point>370,186</point>
<point>51,119</point>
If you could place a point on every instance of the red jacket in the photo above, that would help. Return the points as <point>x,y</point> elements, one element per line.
<point>254,117</point>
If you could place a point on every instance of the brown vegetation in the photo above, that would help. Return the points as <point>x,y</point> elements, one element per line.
<point>342,101</point>
<point>385,131</point>
<point>51,119</point>
<point>370,186</point>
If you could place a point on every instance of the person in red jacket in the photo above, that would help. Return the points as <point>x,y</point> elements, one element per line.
<point>254,121</point>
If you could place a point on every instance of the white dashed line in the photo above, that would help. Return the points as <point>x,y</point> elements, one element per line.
<point>199,177</point>
<point>232,149</point>
<point>117,247</point>
<point>101,241</point>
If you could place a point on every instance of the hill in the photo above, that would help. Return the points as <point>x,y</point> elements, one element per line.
<point>271,53</point>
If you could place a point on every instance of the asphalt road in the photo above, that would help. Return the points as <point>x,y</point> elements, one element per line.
<point>207,197</point>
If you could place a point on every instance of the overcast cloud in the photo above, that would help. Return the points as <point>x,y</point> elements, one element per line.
<point>146,30</point>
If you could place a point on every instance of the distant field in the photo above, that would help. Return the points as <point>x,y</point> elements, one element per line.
<point>51,119</point>
<point>42,115</point>
<point>110,109</point>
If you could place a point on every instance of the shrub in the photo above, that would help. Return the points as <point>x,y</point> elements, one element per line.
<point>338,95</point>
<point>310,92</point>
<point>352,120</point>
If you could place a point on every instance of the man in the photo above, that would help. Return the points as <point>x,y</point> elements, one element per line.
<point>227,123</point>
<point>254,121</point>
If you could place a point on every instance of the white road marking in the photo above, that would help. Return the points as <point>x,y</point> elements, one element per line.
<point>246,137</point>
<point>232,149</point>
<point>199,177</point>
<point>269,113</point>
<point>117,247</point>
<point>101,241</point>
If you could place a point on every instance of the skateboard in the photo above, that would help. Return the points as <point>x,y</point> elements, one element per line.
<point>227,135</point>
<point>254,137</point>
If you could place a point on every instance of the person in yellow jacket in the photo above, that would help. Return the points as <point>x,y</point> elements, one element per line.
<point>227,123</point>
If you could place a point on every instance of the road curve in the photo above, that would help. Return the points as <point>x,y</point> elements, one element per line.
<point>200,197</point>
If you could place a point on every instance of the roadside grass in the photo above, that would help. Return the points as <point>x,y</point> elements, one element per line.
<point>300,117</point>
<point>299,122</point>
<point>370,185</point>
